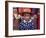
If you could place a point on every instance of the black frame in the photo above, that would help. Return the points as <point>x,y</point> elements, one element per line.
<point>6,18</point>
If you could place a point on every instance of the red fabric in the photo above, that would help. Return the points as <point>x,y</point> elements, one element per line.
<point>38,22</point>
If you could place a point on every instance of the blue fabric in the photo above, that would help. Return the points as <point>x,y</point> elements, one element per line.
<point>27,26</point>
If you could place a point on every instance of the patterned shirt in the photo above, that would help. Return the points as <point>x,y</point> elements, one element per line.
<point>27,25</point>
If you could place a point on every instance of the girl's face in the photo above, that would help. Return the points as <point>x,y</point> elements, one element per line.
<point>27,17</point>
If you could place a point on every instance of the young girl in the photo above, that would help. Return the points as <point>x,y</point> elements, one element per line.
<point>27,23</point>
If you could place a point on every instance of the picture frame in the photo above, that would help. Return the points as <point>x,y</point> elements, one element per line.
<point>9,32</point>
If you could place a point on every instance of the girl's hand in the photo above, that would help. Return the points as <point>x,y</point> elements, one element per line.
<point>17,16</point>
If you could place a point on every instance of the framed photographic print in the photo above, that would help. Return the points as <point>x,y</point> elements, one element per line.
<point>24,18</point>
